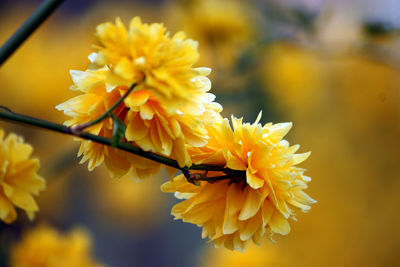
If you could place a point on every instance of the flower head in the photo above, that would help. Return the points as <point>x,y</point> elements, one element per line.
<point>44,246</point>
<point>239,209</point>
<point>151,123</point>
<point>145,54</point>
<point>18,178</point>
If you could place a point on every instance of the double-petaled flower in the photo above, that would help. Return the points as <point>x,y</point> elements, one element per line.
<point>258,199</point>
<point>168,109</point>
<point>19,180</point>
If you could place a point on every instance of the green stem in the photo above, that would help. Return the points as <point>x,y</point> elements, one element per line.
<point>80,127</point>
<point>27,120</point>
<point>26,29</point>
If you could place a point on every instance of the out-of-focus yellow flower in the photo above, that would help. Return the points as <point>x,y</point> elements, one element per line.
<point>223,28</point>
<point>45,247</point>
<point>149,124</point>
<point>145,55</point>
<point>233,212</point>
<point>295,76</point>
<point>18,178</point>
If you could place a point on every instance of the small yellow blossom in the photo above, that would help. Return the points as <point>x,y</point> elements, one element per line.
<point>145,54</point>
<point>245,208</point>
<point>18,178</point>
<point>45,247</point>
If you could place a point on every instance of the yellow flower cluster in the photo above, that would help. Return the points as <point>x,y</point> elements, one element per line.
<point>171,113</point>
<point>168,109</point>
<point>237,210</point>
<point>44,246</point>
<point>18,178</point>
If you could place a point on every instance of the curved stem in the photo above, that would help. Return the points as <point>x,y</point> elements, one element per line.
<point>80,127</point>
<point>31,121</point>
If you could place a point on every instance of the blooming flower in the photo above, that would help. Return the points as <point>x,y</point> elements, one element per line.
<point>44,246</point>
<point>234,211</point>
<point>18,178</point>
<point>145,54</point>
<point>154,121</point>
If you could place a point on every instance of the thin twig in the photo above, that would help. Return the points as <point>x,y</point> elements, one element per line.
<point>27,28</point>
<point>6,108</point>
<point>80,127</point>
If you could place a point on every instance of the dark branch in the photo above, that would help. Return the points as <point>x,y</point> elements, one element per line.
<point>31,121</point>
<point>26,29</point>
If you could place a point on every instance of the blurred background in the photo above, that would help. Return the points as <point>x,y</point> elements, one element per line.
<point>331,67</point>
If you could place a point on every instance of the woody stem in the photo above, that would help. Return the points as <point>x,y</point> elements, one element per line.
<point>8,115</point>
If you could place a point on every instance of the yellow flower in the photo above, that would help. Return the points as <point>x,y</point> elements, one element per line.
<point>223,28</point>
<point>149,124</point>
<point>145,54</point>
<point>168,109</point>
<point>295,76</point>
<point>45,247</point>
<point>233,212</point>
<point>18,178</point>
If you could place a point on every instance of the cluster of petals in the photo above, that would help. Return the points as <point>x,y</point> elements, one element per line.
<point>146,55</point>
<point>168,110</point>
<point>45,246</point>
<point>233,212</point>
<point>19,180</point>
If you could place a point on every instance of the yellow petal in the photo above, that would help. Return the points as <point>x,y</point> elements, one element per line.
<point>267,210</point>
<point>252,226</point>
<point>234,202</point>
<point>299,158</point>
<point>180,153</point>
<point>146,112</point>
<point>253,180</point>
<point>252,204</point>
<point>136,128</point>
<point>137,98</point>
<point>5,207</point>
<point>257,237</point>
<point>234,163</point>
<point>124,69</point>
<point>239,244</point>
<point>279,224</point>
<point>24,200</point>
